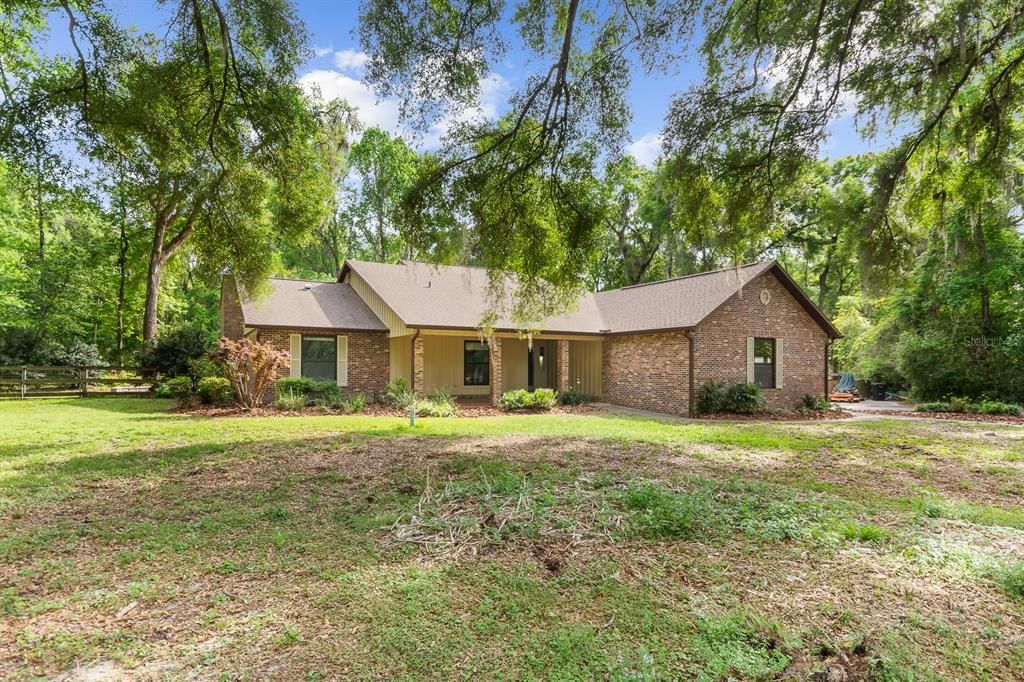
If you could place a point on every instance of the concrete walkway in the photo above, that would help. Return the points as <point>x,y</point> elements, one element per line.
<point>897,410</point>
<point>881,405</point>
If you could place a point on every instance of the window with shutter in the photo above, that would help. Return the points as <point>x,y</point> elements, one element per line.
<point>764,363</point>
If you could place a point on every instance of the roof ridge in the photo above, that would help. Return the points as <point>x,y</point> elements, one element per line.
<point>690,276</point>
<point>300,279</point>
<point>408,261</point>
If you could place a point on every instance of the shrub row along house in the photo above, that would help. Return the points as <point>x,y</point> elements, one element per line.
<point>648,346</point>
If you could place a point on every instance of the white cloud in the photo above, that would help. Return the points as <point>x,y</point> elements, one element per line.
<point>384,113</point>
<point>322,51</point>
<point>646,149</point>
<point>350,60</point>
<point>372,112</point>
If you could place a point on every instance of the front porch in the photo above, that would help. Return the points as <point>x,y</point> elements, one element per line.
<point>473,369</point>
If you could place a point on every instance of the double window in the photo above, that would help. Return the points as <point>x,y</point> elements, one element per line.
<point>764,363</point>
<point>476,364</point>
<point>320,358</point>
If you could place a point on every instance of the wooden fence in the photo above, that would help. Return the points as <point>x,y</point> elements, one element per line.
<point>31,381</point>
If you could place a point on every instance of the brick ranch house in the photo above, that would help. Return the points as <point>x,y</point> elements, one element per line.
<point>648,346</point>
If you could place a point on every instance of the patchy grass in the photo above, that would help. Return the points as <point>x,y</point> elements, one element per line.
<point>139,542</point>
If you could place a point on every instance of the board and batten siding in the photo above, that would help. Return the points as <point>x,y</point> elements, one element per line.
<point>381,309</point>
<point>443,365</point>
<point>515,364</point>
<point>401,357</point>
<point>585,367</point>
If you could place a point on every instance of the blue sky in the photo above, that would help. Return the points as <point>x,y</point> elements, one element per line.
<point>336,70</point>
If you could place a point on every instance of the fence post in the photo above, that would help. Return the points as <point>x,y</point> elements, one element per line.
<point>24,378</point>
<point>85,382</point>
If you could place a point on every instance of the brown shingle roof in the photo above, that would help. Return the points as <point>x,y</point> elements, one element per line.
<point>430,296</point>
<point>438,297</point>
<point>311,305</point>
<point>455,296</point>
<point>678,303</point>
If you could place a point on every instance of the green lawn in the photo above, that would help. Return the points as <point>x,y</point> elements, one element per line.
<point>140,542</point>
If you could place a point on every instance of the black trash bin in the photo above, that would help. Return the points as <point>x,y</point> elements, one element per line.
<point>878,391</point>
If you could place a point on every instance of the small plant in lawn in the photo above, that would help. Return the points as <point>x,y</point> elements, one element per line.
<point>1011,579</point>
<point>573,396</point>
<point>214,390</point>
<point>862,532</point>
<point>660,514</point>
<point>250,366</point>
<point>541,399</point>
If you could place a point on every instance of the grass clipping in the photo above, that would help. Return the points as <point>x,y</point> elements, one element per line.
<point>463,517</point>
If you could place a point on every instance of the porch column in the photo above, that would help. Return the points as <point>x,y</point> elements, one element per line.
<point>417,362</point>
<point>495,356</point>
<point>562,366</point>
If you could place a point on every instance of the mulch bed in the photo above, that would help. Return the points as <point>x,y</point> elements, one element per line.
<point>371,410</point>
<point>780,416</point>
<point>955,416</point>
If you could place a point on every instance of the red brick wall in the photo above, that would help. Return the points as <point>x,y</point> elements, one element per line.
<point>647,371</point>
<point>368,357</point>
<point>721,342</point>
<point>232,324</point>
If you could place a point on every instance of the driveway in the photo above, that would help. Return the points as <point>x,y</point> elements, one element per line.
<point>876,405</point>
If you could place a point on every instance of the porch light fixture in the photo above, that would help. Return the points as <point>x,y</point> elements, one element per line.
<point>540,361</point>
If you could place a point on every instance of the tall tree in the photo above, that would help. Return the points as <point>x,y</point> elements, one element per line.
<point>208,124</point>
<point>384,168</point>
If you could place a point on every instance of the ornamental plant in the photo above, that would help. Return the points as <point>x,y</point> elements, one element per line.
<point>250,366</point>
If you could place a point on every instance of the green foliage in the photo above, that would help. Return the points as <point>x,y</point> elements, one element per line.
<point>958,404</point>
<point>744,398</point>
<point>1011,579</point>
<point>214,390</point>
<point>716,396</point>
<point>385,167</point>
<point>814,403</point>
<point>179,386</point>
<point>711,397</point>
<point>399,394</point>
<point>738,644</point>
<point>316,392</point>
<point>175,350</point>
<point>541,399</point>
<point>660,514</point>
<point>438,404</point>
<point>573,396</point>
<point>862,532</point>
<point>290,401</point>
<point>355,403</point>
<point>444,402</point>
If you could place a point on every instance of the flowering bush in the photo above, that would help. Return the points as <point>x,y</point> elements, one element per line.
<point>250,366</point>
